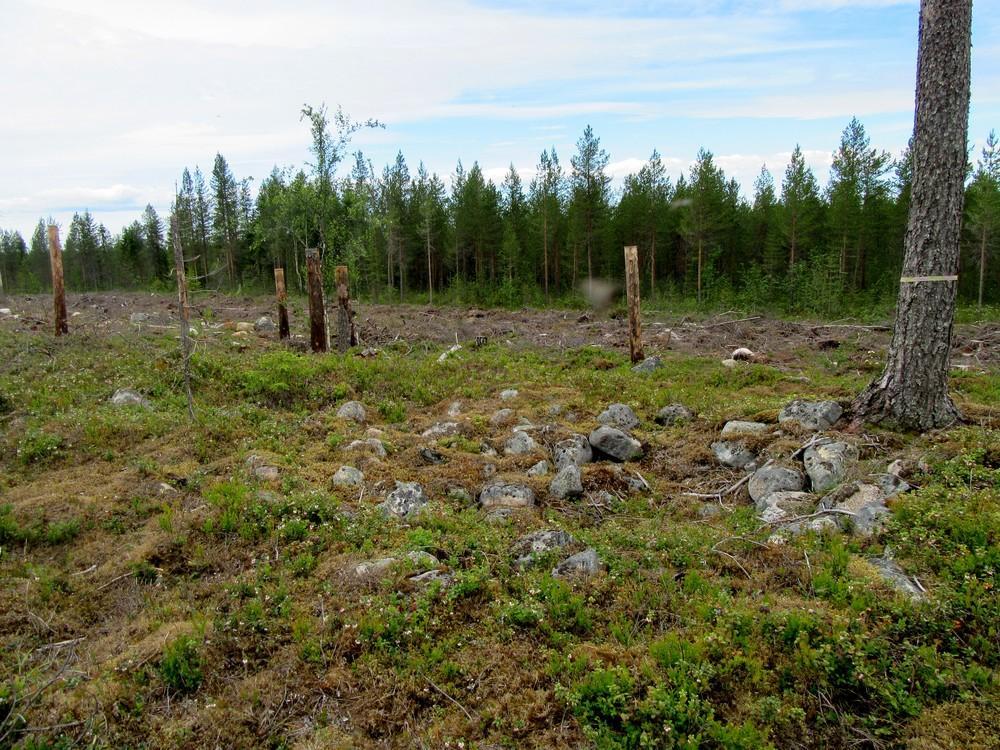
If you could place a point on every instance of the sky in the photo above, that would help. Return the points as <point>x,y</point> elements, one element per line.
<point>104,102</point>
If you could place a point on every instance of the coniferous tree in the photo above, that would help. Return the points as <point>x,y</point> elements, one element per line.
<point>225,227</point>
<point>590,185</point>
<point>702,221</point>
<point>983,213</point>
<point>799,211</point>
<point>547,196</point>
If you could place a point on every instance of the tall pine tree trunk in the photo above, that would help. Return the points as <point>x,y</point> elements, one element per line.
<point>982,264</point>
<point>912,392</point>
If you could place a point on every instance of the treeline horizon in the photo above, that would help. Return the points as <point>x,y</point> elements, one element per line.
<point>793,245</point>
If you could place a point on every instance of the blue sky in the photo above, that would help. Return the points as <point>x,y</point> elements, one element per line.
<point>105,101</point>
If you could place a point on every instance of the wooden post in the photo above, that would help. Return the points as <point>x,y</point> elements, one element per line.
<point>282,295</point>
<point>346,337</point>
<point>182,303</point>
<point>318,336</point>
<point>58,289</point>
<point>632,292</point>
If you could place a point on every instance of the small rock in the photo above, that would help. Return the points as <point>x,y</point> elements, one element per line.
<point>373,568</point>
<point>455,409</point>
<point>567,483</point>
<point>729,363</point>
<point>531,546</point>
<point>896,577</point>
<point>165,489</point>
<point>779,506</point>
<point>267,473</point>
<point>812,415</point>
<point>487,450</point>
<point>770,479</point>
<point>502,417</point>
<point>649,364</point>
<point>461,494</point>
<point>404,501</point>
<point>506,495</point>
<point>555,410</point>
<point>352,410</point>
<point>244,327</point>
<point>827,464</point>
<point>615,444</point>
<point>892,484</point>
<point>738,427</point>
<point>489,470</point>
<point>348,476</point>
<point>4,311</point>
<point>867,503</point>
<point>433,576</point>
<point>441,429</point>
<point>742,354</point>
<point>139,317</point>
<point>264,325</point>
<point>733,454</point>
<point>584,564</point>
<point>620,416</point>
<point>129,397</point>
<point>674,414</point>
<point>573,450</point>
<point>422,560</point>
<point>431,456</point>
<point>519,444</point>
<point>508,394</point>
<point>709,510</point>
<point>372,445</point>
<point>539,470</point>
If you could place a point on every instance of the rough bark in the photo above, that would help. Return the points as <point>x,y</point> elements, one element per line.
<point>912,392</point>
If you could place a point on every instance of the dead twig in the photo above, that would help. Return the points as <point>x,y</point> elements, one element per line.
<point>442,692</point>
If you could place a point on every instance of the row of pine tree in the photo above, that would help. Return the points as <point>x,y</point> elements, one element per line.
<point>405,236</point>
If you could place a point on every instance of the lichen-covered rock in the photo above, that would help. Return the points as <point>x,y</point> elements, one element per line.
<point>454,408</point>
<point>508,394</point>
<point>500,495</point>
<point>540,469</point>
<point>502,417</point>
<point>736,427</point>
<point>620,416</point>
<point>440,429</point>
<point>812,415</point>
<point>567,483</point>
<point>129,397</point>
<point>615,444</point>
<point>583,564</point>
<point>531,546</point>
<point>352,410</point>
<point>573,450</point>
<point>733,453</point>
<point>264,325</point>
<point>769,479</point>
<point>649,364</point>
<point>260,469</point>
<point>889,570</point>
<point>674,414</point>
<point>371,445</point>
<point>827,464</point>
<point>406,500</point>
<point>780,506</point>
<point>348,476</point>
<point>519,444</point>
<point>866,504</point>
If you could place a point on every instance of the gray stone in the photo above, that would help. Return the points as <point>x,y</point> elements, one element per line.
<point>867,504</point>
<point>615,444</point>
<point>733,454</point>
<point>508,394</point>
<point>896,577</point>
<point>430,456</point>
<point>433,576</point>
<point>352,410</point>
<point>567,483</point>
<point>422,560</point>
<point>406,500</point>
<point>502,417</point>
<point>737,427</point>
<point>583,564</point>
<point>555,410</point>
<point>573,450</point>
<point>260,469</point>
<point>129,397</point>
<point>674,414</point>
<point>532,546</point>
<point>709,510</point>
<point>455,408</point>
<point>348,476</point>
<point>374,568</point>
<point>140,317</point>
<point>620,416</point>
<point>441,429</point>
<point>487,450</point>
<point>489,470</point>
<point>892,484</point>
<point>812,415</point>
<point>540,469</point>
<point>500,495</point>
<point>461,494</point>
<point>779,506</point>
<point>372,445</point>
<point>827,464</point>
<point>264,325</point>
<point>519,444</point>
<point>769,479</point>
<point>649,364</point>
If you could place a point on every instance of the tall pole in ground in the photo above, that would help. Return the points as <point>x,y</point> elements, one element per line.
<point>318,336</point>
<point>182,303</point>
<point>632,292</point>
<point>58,289</point>
<point>282,296</point>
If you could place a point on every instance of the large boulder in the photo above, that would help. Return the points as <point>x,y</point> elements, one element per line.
<point>615,444</point>
<point>674,414</point>
<point>769,479</point>
<point>583,564</point>
<point>620,416</point>
<point>567,483</point>
<point>733,453</point>
<point>500,496</point>
<point>352,410</point>
<point>827,463</point>
<point>406,500</point>
<point>811,415</point>
<point>573,450</point>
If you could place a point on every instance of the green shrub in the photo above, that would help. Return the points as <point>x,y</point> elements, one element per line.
<point>39,447</point>
<point>181,665</point>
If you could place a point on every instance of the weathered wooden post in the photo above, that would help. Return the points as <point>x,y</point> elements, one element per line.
<point>282,295</point>
<point>182,303</point>
<point>346,337</point>
<point>318,336</point>
<point>632,292</point>
<point>58,288</point>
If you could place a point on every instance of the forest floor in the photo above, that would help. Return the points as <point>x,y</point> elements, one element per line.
<point>175,584</point>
